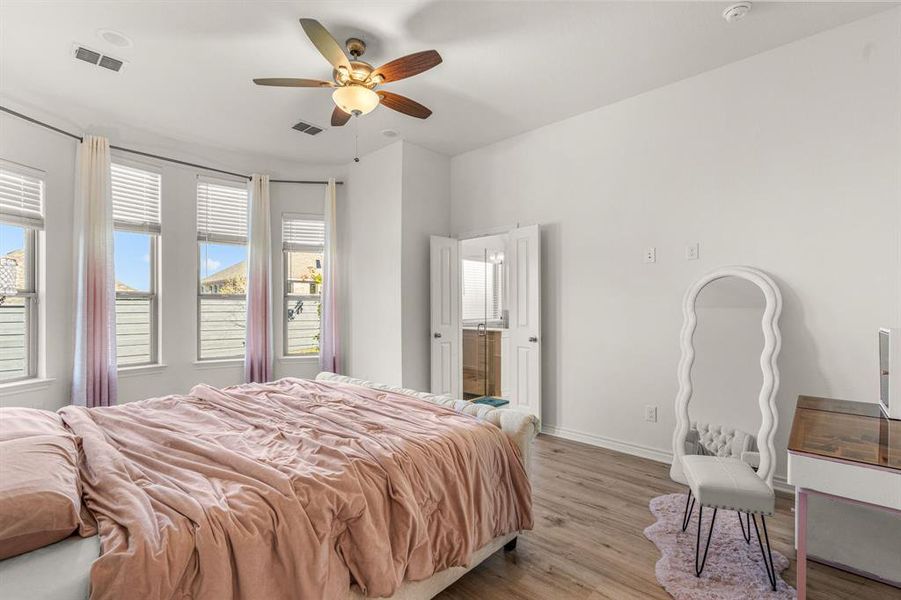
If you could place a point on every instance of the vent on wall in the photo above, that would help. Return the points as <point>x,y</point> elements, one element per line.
<point>307,128</point>
<point>100,60</point>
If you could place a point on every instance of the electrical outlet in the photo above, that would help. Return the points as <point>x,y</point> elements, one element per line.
<point>650,414</point>
<point>692,251</point>
<point>650,255</point>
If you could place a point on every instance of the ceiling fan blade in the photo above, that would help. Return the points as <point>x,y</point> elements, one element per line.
<point>409,65</point>
<point>339,117</point>
<point>325,43</point>
<point>288,82</point>
<point>402,104</point>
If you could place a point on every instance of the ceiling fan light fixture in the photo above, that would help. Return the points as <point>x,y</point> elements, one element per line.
<point>354,79</point>
<point>355,99</point>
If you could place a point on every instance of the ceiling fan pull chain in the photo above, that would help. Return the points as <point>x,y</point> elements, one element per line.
<point>356,139</point>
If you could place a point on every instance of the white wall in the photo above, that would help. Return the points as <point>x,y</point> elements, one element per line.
<point>788,160</point>
<point>40,148</point>
<point>426,212</point>
<point>372,239</point>
<point>396,198</point>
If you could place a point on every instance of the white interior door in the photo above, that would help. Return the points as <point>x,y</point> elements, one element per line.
<point>525,318</point>
<point>447,367</point>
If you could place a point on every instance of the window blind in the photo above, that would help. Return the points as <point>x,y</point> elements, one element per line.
<point>221,212</point>
<point>299,233</point>
<point>482,291</point>
<point>136,198</point>
<point>21,199</point>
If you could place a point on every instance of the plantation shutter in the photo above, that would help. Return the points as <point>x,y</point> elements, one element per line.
<point>221,211</point>
<point>302,233</point>
<point>136,198</point>
<point>21,199</point>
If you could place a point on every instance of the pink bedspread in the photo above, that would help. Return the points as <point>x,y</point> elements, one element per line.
<point>292,489</point>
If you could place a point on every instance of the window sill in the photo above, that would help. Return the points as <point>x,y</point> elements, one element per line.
<point>26,385</point>
<point>299,359</point>
<point>141,370</point>
<point>219,363</point>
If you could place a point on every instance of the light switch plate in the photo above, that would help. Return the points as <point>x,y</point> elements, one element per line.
<point>693,251</point>
<point>650,255</point>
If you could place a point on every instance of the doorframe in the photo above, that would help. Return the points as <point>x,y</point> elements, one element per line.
<point>460,238</point>
<point>487,232</point>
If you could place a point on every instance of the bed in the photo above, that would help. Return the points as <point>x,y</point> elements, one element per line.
<point>70,562</point>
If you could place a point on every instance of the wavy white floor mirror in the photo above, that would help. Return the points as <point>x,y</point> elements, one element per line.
<point>770,374</point>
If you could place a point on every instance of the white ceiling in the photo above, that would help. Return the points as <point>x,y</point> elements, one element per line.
<point>508,67</point>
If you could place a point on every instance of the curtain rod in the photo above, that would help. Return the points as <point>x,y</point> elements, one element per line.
<point>157,156</point>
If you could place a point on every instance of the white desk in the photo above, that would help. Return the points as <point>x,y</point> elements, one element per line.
<point>846,451</point>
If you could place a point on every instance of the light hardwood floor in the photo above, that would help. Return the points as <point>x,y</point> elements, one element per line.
<point>591,507</point>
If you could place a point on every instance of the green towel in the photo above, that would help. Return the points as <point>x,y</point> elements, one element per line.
<point>491,401</point>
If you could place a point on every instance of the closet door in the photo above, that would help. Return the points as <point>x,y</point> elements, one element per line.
<point>445,316</point>
<point>525,318</point>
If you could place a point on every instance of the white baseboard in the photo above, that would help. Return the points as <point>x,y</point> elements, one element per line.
<point>655,454</point>
<point>600,441</point>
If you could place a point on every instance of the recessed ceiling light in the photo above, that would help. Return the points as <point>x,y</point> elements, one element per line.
<point>390,133</point>
<point>120,40</point>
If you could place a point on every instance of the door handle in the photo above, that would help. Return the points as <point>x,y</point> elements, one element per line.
<point>533,339</point>
<point>436,335</point>
<point>481,329</point>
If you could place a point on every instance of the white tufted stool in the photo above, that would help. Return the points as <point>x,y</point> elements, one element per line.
<point>731,484</point>
<point>710,439</point>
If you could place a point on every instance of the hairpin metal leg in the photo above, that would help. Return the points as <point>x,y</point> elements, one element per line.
<point>699,569</point>
<point>686,518</point>
<point>767,564</point>
<point>745,526</point>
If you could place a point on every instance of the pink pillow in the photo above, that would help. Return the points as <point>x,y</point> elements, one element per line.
<point>39,492</point>
<point>18,422</point>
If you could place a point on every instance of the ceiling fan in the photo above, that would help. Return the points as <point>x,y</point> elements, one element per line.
<point>356,80</point>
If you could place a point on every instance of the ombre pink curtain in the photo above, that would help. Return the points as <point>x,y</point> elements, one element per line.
<point>258,347</point>
<point>329,347</point>
<point>94,372</point>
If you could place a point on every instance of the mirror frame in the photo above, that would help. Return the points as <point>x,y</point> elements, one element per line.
<point>772,339</point>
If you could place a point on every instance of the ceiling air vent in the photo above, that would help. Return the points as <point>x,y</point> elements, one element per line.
<point>100,60</point>
<point>87,55</point>
<point>113,64</point>
<point>307,128</point>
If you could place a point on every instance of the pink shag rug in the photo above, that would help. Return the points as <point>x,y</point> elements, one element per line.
<point>734,569</point>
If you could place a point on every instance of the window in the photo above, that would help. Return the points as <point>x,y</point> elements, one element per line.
<point>21,218</point>
<point>136,218</point>
<point>303,239</point>
<point>483,290</point>
<point>222,269</point>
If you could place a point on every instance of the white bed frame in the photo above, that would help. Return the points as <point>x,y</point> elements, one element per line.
<point>62,571</point>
